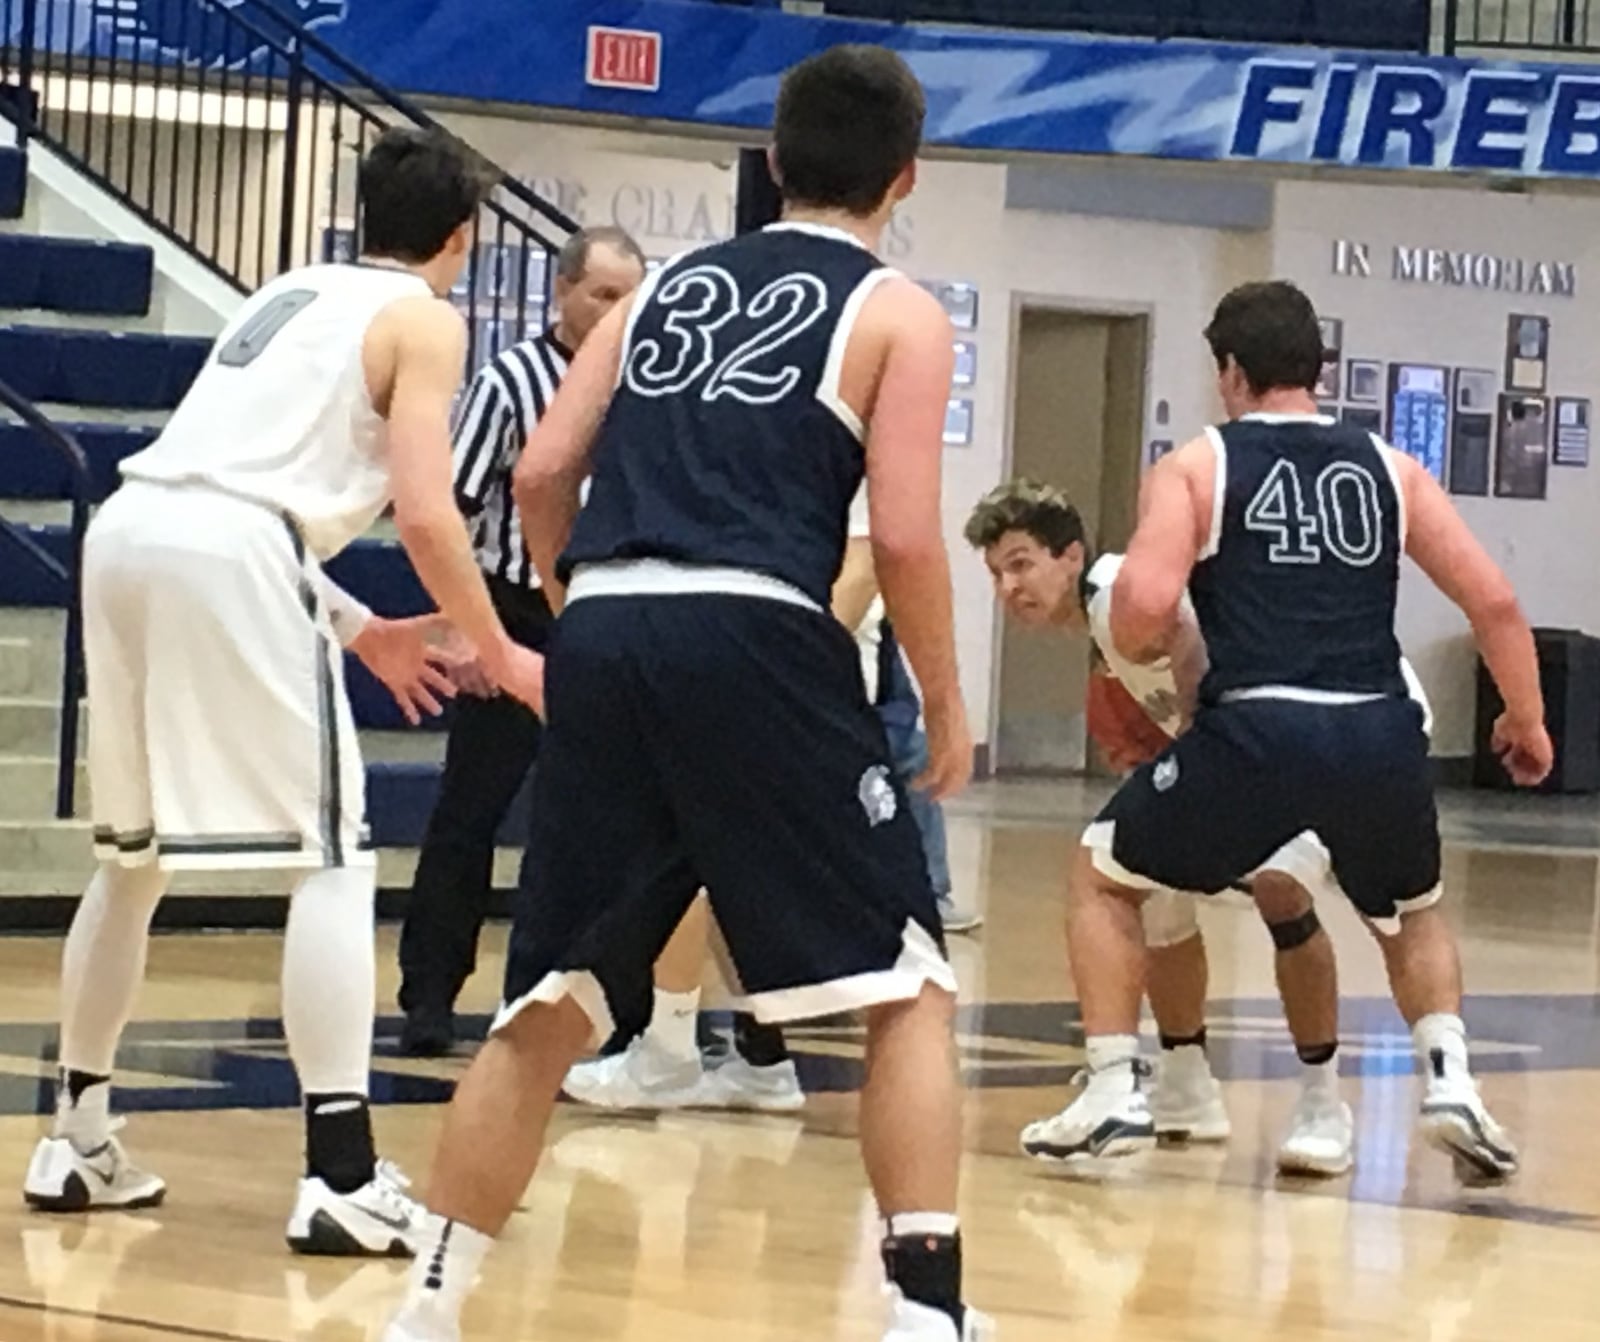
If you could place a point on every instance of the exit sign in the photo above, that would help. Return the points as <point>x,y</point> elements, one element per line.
<point>624,58</point>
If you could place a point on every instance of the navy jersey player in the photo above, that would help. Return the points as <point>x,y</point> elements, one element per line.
<point>708,723</point>
<point>1287,529</point>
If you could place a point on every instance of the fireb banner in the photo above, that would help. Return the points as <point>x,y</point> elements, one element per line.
<point>720,65</point>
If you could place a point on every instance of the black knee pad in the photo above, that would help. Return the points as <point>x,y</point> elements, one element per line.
<point>1291,935</point>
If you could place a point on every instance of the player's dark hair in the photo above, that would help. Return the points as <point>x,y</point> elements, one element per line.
<point>848,122</point>
<point>573,260</point>
<point>1041,511</point>
<point>417,187</point>
<point>1270,330</point>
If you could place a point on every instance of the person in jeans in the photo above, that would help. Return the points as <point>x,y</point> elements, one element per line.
<point>494,739</point>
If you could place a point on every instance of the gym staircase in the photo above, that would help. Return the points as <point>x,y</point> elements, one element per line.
<point>144,191</point>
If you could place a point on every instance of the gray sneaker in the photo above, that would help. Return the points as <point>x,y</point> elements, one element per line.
<point>957,919</point>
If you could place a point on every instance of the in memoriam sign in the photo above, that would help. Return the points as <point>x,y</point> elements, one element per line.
<point>1458,269</point>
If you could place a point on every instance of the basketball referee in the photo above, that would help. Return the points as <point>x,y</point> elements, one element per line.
<point>493,740</point>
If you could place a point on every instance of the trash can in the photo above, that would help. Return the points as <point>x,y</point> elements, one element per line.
<point>1569,673</point>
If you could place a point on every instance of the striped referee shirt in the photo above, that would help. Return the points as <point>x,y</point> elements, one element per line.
<point>507,398</point>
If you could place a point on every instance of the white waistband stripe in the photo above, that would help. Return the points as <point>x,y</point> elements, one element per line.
<point>661,577</point>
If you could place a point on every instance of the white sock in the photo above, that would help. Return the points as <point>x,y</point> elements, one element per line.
<point>1110,1057</point>
<point>947,1224</point>
<point>101,970</point>
<point>1187,1058</point>
<point>672,1023</point>
<point>1446,1035</point>
<point>446,1269</point>
<point>330,980</point>
<point>1321,1078</point>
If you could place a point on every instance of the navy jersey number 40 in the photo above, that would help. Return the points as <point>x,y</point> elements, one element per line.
<point>1342,517</point>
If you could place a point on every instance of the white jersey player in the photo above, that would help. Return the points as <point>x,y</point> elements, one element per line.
<point>1034,544</point>
<point>220,732</point>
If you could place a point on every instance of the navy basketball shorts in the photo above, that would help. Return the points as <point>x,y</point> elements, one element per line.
<point>1251,775</point>
<point>721,742</point>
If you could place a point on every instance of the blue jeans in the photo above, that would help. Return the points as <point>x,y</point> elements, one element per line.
<point>901,716</point>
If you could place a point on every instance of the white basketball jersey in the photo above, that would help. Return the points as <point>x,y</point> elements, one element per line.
<point>1152,683</point>
<point>280,413</point>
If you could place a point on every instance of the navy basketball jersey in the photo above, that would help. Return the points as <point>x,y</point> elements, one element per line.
<point>726,444</point>
<point>1297,584</point>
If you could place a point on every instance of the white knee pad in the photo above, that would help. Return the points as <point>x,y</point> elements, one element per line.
<point>1170,918</point>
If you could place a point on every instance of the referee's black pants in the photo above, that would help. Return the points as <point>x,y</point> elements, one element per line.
<point>492,745</point>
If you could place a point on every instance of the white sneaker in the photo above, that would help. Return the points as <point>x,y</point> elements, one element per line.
<point>1321,1137</point>
<point>63,1179</point>
<point>644,1076</point>
<point>911,1322</point>
<point>738,1084</point>
<point>1455,1121</point>
<point>1186,1101</point>
<point>378,1220</point>
<point>1111,1118</point>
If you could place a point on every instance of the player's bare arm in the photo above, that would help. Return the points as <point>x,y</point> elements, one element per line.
<point>897,379</point>
<point>857,584</point>
<point>555,463</point>
<point>1187,649</point>
<point>414,355</point>
<point>1447,551</point>
<point>1174,513</point>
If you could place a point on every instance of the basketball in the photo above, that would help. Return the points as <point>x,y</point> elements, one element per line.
<point>1118,724</point>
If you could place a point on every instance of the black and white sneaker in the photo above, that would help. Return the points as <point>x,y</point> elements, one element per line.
<point>1111,1118</point>
<point>1455,1121</point>
<point>63,1179</point>
<point>378,1220</point>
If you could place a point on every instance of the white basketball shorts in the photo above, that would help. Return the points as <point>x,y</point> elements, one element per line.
<point>220,734</point>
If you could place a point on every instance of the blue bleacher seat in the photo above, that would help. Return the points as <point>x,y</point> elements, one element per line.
<point>30,355</point>
<point>13,183</point>
<point>67,275</point>
<point>111,278</point>
<point>186,356</point>
<point>30,470</point>
<point>21,265</point>
<point>24,583</point>
<point>400,799</point>
<point>98,368</point>
<point>379,573</point>
<point>107,368</point>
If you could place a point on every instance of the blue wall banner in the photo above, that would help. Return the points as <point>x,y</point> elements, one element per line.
<point>720,66</point>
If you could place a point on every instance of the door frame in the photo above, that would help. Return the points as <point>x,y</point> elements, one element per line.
<point>1107,309</point>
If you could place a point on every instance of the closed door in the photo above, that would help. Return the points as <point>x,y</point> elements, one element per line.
<point>1077,423</point>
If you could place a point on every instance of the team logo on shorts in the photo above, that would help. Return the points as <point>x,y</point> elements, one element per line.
<point>876,794</point>
<point>1165,775</point>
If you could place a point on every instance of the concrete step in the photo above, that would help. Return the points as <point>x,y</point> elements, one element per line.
<point>32,624</point>
<point>396,868</point>
<point>98,414</point>
<point>31,643</point>
<point>58,513</point>
<point>80,321</point>
<point>28,787</point>
<point>25,672</point>
<point>44,845</point>
<point>36,512</point>
<point>30,726</point>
